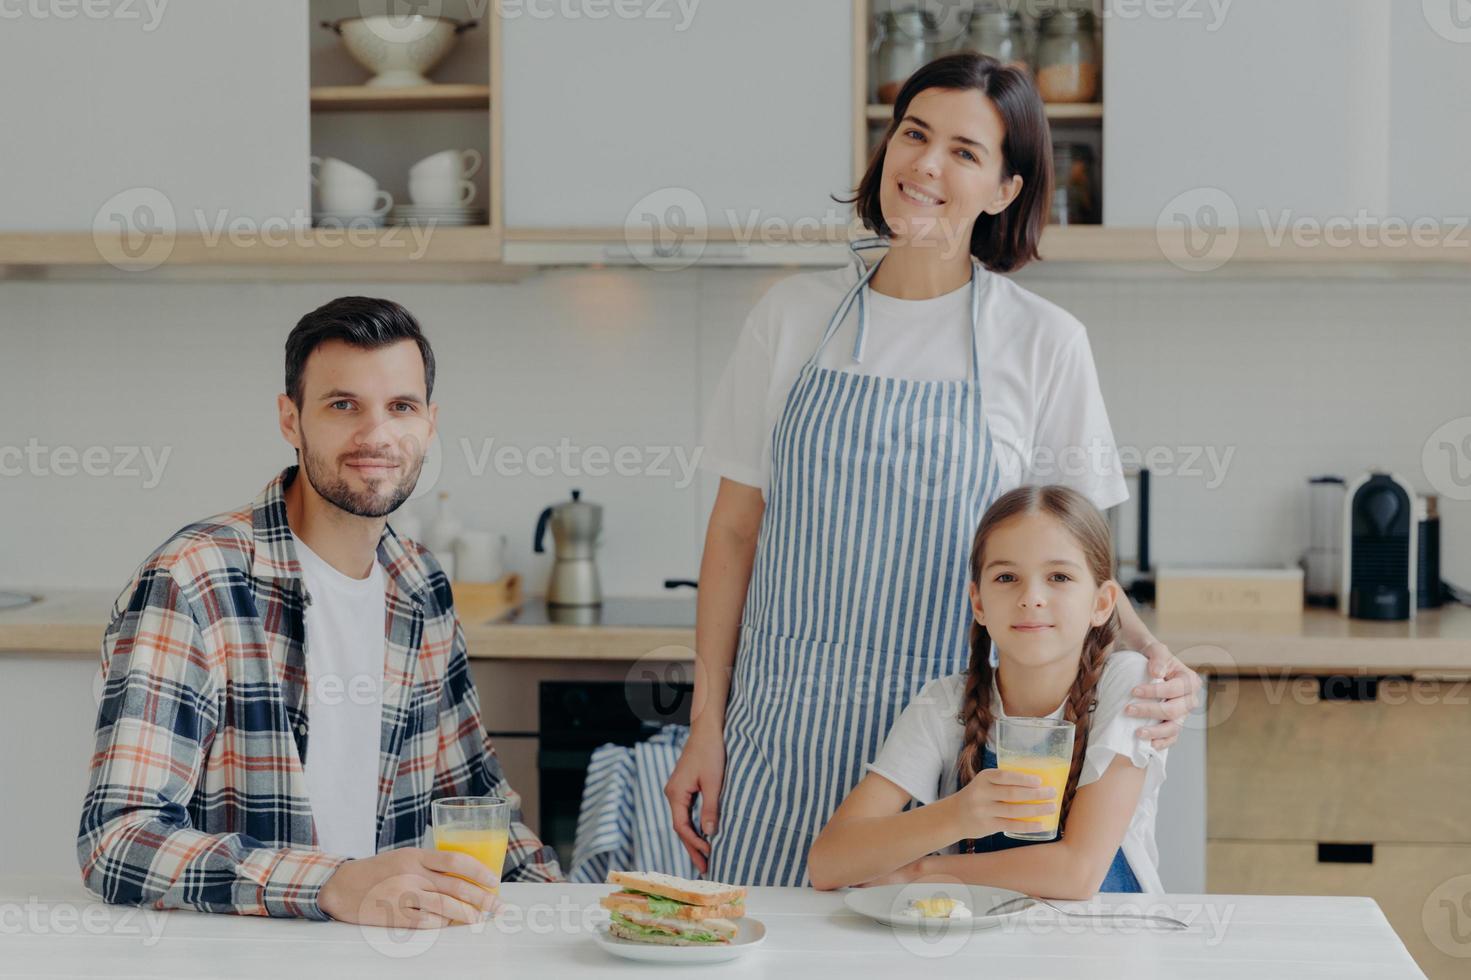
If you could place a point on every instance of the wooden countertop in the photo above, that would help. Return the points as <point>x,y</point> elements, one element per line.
<point>1436,642</point>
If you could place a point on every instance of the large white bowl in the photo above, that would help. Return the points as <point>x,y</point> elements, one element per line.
<point>398,50</point>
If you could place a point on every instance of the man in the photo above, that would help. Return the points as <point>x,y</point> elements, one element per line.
<point>286,685</point>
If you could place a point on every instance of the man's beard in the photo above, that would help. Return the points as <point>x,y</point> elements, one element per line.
<point>337,492</point>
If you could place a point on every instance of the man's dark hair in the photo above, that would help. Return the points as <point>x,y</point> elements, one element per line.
<point>360,321</point>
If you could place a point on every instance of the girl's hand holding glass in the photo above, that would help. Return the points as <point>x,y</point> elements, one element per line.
<point>998,800</point>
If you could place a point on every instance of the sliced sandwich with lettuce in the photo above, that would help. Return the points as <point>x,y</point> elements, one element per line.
<point>672,911</point>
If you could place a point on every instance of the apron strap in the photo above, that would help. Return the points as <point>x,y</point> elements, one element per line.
<point>859,294</point>
<point>855,293</point>
<point>975,321</point>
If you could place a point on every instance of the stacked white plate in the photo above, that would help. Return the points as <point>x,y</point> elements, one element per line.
<point>347,219</point>
<point>445,217</point>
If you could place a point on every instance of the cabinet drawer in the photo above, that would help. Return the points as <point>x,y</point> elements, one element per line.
<point>1286,764</point>
<point>1424,890</point>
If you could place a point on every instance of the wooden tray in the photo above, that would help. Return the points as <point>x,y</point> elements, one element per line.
<point>481,602</point>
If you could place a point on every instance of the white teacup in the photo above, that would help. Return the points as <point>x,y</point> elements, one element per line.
<point>440,192</point>
<point>448,164</point>
<point>332,171</point>
<point>355,199</point>
<point>343,187</point>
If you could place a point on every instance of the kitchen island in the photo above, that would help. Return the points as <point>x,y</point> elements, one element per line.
<point>52,927</point>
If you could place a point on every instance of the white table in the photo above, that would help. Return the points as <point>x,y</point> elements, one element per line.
<point>50,927</point>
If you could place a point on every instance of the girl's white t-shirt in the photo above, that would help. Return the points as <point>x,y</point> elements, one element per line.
<point>921,750</point>
<point>1039,386</point>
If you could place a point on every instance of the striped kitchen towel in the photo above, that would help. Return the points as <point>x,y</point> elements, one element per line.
<point>624,822</point>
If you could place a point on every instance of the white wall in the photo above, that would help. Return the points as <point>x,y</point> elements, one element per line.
<point>1293,378</point>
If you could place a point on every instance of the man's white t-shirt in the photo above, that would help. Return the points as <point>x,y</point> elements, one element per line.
<point>344,667</point>
<point>922,748</point>
<point>1039,385</point>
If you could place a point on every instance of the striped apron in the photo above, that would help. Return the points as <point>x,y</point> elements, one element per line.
<point>858,594</point>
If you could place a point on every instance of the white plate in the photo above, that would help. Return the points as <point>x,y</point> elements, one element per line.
<point>885,902</point>
<point>347,221</point>
<point>750,934</point>
<point>433,223</point>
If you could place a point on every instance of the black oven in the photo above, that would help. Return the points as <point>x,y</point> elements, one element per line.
<point>579,716</point>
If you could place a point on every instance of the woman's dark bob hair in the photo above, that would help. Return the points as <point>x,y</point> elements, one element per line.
<point>1004,242</point>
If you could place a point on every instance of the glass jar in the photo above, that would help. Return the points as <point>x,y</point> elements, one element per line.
<point>950,21</point>
<point>904,45</point>
<point>1001,34</point>
<point>1069,64</point>
<point>1075,185</point>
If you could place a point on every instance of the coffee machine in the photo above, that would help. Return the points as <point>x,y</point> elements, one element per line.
<point>576,525</point>
<point>1380,548</point>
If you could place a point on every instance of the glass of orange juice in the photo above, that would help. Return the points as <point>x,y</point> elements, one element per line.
<point>475,825</point>
<point>1040,747</point>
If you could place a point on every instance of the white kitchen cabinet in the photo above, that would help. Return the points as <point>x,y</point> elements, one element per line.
<point>716,115</point>
<point>1429,141</point>
<point>1283,106</point>
<point>153,114</point>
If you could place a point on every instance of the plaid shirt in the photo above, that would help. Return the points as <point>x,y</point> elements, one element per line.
<point>198,797</point>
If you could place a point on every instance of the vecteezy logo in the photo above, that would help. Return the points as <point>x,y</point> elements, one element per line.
<point>1446,917</point>
<point>134,229</point>
<point>947,20</point>
<point>667,229</point>
<point>430,472</point>
<point>1205,224</point>
<point>399,23</point>
<point>1446,458</point>
<point>1451,19</point>
<point>929,455</point>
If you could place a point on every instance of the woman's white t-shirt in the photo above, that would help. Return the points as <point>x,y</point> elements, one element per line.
<point>921,750</point>
<point>1039,387</point>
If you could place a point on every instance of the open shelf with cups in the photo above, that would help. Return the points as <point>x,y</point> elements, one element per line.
<point>402,127</point>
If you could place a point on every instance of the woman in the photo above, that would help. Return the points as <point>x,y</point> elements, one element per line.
<point>857,460</point>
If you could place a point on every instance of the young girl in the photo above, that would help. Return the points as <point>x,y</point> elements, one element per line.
<point>1040,589</point>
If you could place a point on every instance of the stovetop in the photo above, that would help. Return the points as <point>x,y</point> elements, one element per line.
<point>651,613</point>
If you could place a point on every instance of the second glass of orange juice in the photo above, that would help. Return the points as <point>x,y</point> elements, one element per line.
<point>1040,747</point>
<point>475,825</point>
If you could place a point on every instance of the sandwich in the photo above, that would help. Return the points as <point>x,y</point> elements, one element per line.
<point>670,911</point>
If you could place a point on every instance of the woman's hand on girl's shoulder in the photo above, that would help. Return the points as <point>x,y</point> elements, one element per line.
<point>1169,699</point>
<point>997,800</point>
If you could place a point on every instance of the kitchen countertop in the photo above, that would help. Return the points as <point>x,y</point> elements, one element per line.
<point>1437,642</point>
<point>55,928</point>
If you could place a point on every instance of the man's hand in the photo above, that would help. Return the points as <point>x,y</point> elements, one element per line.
<point>411,888</point>
<point>1170,698</point>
